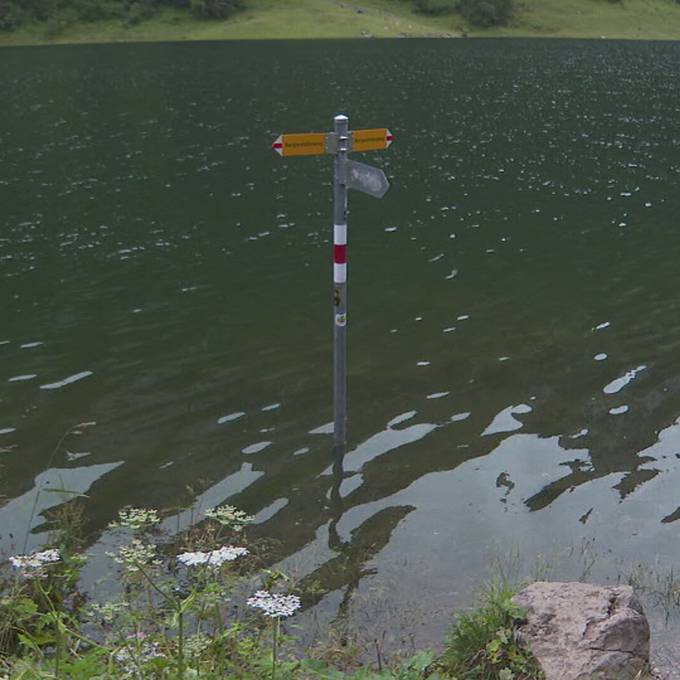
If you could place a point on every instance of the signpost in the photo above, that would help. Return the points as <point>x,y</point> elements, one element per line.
<point>312,144</point>
<point>319,143</point>
<point>348,175</point>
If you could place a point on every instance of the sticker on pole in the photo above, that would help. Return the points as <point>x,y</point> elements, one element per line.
<point>309,144</point>
<point>376,139</point>
<point>367,179</point>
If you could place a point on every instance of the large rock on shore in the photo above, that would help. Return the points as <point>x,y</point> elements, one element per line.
<point>579,631</point>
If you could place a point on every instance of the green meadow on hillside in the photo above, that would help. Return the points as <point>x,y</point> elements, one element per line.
<point>283,19</point>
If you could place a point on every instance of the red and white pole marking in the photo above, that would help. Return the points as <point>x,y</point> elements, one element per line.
<point>340,253</point>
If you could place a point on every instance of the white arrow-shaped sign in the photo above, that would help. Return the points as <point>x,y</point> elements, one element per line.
<point>366,178</point>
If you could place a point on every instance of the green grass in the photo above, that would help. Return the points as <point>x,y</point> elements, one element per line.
<point>631,19</point>
<point>263,19</point>
<point>482,644</point>
<point>281,19</point>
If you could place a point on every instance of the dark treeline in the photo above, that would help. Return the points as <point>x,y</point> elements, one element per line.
<point>57,14</point>
<point>482,13</point>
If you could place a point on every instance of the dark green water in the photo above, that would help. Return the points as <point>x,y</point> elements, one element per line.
<point>514,308</point>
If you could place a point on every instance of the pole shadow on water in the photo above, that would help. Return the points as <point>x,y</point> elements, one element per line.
<point>349,566</point>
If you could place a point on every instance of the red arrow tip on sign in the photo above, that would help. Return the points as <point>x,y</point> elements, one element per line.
<point>278,145</point>
<point>389,138</point>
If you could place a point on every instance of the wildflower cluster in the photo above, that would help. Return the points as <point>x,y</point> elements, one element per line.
<point>275,605</point>
<point>229,516</point>
<point>107,612</point>
<point>30,565</point>
<point>167,623</point>
<point>144,651</point>
<point>135,554</point>
<point>213,558</point>
<point>195,645</point>
<point>136,518</point>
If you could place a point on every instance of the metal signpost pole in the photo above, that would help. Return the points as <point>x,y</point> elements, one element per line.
<point>340,284</point>
<point>348,175</point>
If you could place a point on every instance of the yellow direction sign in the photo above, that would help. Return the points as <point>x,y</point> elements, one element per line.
<point>320,143</point>
<point>371,140</point>
<point>310,144</point>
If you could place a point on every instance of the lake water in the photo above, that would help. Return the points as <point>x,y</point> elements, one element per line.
<point>514,306</point>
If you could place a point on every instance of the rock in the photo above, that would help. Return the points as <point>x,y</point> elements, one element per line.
<point>579,631</point>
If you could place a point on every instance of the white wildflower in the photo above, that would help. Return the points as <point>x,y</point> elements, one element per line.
<point>229,516</point>
<point>136,518</point>
<point>135,653</point>
<point>195,645</point>
<point>107,612</point>
<point>31,564</point>
<point>213,558</point>
<point>275,605</point>
<point>135,554</point>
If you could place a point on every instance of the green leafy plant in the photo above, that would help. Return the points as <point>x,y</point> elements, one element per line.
<point>483,644</point>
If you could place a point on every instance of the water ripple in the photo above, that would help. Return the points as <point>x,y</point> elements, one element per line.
<point>67,381</point>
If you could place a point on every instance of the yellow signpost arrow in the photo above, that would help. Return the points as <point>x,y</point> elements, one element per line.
<point>310,144</point>
<point>378,139</point>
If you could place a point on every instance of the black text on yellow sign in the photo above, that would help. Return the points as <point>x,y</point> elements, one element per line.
<point>319,143</point>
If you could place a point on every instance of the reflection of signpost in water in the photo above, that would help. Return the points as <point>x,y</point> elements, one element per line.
<point>348,175</point>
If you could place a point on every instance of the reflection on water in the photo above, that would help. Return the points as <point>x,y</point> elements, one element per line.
<point>210,498</point>
<point>513,374</point>
<point>66,381</point>
<point>505,421</point>
<point>22,518</point>
<point>617,385</point>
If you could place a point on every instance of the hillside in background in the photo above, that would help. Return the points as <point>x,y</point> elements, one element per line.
<point>152,20</point>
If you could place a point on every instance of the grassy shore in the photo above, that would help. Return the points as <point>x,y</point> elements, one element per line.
<point>183,612</point>
<point>281,19</point>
